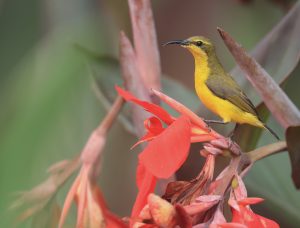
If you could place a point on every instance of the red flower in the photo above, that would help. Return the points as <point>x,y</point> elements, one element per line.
<point>241,211</point>
<point>244,215</point>
<point>160,159</point>
<point>168,146</point>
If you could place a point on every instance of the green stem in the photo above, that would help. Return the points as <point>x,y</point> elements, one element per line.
<point>265,151</point>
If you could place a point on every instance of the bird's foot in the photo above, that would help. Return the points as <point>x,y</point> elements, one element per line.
<point>220,146</point>
<point>231,134</point>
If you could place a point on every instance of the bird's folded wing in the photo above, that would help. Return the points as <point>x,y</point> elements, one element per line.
<point>226,88</point>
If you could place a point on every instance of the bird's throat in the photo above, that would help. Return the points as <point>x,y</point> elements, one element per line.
<point>202,69</point>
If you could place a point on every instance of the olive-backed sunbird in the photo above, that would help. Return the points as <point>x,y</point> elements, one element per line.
<point>217,90</point>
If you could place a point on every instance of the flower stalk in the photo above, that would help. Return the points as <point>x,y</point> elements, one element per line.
<point>266,151</point>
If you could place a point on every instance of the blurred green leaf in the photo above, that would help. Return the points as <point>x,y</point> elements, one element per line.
<point>49,111</point>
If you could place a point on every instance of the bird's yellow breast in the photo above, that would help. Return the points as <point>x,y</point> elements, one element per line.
<point>223,108</point>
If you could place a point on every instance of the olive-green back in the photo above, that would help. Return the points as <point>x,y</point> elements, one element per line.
<point>224,86</point>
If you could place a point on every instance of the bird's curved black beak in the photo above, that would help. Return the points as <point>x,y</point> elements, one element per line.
<point>180,42</point>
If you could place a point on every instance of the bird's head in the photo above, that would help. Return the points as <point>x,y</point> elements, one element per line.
<point>197,45</point>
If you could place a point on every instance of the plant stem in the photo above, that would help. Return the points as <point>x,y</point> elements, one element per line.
<point>265,151</point>
<point>110,117</point>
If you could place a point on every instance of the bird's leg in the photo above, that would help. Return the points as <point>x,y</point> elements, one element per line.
<point>231,134</point>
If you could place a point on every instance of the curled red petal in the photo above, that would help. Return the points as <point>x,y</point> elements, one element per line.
<point>166,153</point>
<point>149,107</point>
<point>154,127</point>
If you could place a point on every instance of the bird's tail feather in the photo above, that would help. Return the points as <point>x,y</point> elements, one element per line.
<point>271,131</point>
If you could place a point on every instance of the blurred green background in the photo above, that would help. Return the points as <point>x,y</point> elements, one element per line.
<point>48,106</point>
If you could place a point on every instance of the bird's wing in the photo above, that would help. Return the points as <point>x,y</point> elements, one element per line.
<point>226,88</point>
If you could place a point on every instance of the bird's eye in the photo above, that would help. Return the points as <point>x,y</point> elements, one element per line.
<point>199,43</point>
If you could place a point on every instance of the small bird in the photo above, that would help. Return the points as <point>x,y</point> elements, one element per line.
<point>217,90</point>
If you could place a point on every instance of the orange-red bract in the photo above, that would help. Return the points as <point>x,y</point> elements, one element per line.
<point>166,153</point>
<point>149,107</point>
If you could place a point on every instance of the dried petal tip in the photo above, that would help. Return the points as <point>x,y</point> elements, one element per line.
<point>145,213</point>
<point>163,213</point>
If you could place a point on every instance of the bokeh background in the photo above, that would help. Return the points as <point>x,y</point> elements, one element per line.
<point>49,106</point>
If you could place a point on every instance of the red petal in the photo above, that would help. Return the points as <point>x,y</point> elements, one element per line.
<point>268,223</point>
<point>249,201</point>
<point>247,217</point>
<point>140,175</point>
<point>167,152</point>
<point>187,112</point>
<point>149,107</point>
<point>146,138</point>
<point>146,183</point>
<point>154,127</point>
